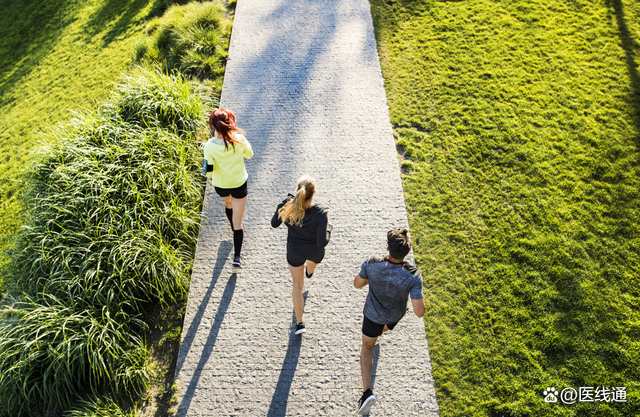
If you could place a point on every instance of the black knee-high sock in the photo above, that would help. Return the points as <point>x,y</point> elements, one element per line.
<point>237,241</point>
<point>229,212</point>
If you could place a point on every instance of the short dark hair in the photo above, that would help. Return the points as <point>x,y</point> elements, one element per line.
<point>399,242</point>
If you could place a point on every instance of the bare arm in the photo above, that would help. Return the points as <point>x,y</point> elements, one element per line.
<point>360,282</point>
<point>418,307</point>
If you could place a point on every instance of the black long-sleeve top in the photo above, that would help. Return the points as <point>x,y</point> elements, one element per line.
<point>312,236</point>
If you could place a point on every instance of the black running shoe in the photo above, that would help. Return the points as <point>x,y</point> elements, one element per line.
<point>300,328</point>
<point>236,261</point>
<point>366,401</point>
<point>306,274</point>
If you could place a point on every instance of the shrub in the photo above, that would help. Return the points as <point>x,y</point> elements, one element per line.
<point>193,38</point>
<point>113,209</point>
<point>50,352</point>
<point>150,98</point>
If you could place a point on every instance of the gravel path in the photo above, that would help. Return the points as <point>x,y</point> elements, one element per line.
<point>305,84</point>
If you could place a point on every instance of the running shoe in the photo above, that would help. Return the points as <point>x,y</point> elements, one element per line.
<point>306,274</point>
<point>366,401</point>
<point>236,261</point>
<point>300,328</point>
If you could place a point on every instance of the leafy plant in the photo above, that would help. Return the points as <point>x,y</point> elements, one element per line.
<point>113,214</point>
<point>193,38</point>
<point>97,407</point>
<point>51,352</point>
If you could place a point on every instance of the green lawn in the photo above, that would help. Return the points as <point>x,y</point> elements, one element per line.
<point>519,123</point>
<point>56,55</point>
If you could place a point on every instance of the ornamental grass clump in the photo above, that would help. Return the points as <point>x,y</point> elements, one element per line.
<point>154,99</point>
<point>116,212</point>
<point>193,38</point>
<point>97,407</point>
<point>52,351</point>
<point>113,207</point>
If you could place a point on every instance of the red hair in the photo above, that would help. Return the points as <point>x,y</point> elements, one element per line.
<point>223,121</point>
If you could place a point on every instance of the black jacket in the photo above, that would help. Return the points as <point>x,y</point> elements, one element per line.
<point>312,236</point>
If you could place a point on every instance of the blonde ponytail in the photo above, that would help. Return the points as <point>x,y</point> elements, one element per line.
<point>293,211</point>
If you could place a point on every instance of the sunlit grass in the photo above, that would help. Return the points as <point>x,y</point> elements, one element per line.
<point>519,122</point>
<point>56,55</point>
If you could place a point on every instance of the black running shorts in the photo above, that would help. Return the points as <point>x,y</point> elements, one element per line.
<point>372,329</point>
<point>296,260</point>
<point>239,192</point>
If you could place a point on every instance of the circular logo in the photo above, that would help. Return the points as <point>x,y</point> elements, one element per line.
<point>569,395</point>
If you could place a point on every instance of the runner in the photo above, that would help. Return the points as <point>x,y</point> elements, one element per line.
<point>225,152</point>
<point>309,233</point>
<point>391,281</point>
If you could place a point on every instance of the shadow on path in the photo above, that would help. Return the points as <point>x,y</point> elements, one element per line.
<point>278,407</point>
<point>376,354</point>
<point>210,343</point>
<point>223,253</point>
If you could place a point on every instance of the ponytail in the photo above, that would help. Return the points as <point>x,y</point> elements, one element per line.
<point>293,211</point>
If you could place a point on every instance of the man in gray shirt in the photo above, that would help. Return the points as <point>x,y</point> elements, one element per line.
<point>391,281</point>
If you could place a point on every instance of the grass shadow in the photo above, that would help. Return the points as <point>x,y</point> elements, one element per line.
<point>629,44</point>
<point>28,30</point>
<point>122,14</point>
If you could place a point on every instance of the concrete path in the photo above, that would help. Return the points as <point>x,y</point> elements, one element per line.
<point>304,82</point>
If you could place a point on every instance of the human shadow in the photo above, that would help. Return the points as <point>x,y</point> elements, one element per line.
<point>210,343</point>
<point>376,354</point>
<point>223,253</point>
<point>278,407</point>
<point>629,44</point>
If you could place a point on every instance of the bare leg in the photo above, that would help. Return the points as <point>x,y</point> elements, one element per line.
<point>366,360</point>
<point>238,205</point>
<point>311,266</point>
<point>297,273</point>
<point>227,201</point>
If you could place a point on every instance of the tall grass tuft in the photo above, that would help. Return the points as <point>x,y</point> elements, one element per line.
<point>193,38</point>
<point>155,99</point>
<point>52,351</point>
<point>113,213</point>
<point>97,408</point>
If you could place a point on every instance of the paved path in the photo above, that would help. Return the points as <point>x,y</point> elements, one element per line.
<point>304,81</point>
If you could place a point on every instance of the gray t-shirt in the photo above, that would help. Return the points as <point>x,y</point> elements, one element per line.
<point>390,285</point>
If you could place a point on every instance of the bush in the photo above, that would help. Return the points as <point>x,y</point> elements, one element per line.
<point>193,38</point>
<point>51,352</point>
<point>113,213</point>
<point>154,99</point>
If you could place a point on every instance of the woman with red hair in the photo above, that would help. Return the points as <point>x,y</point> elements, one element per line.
<point>226,151</point>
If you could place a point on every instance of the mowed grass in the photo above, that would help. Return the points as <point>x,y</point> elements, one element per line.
<point>520,125</point>
<point>56,55</point>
